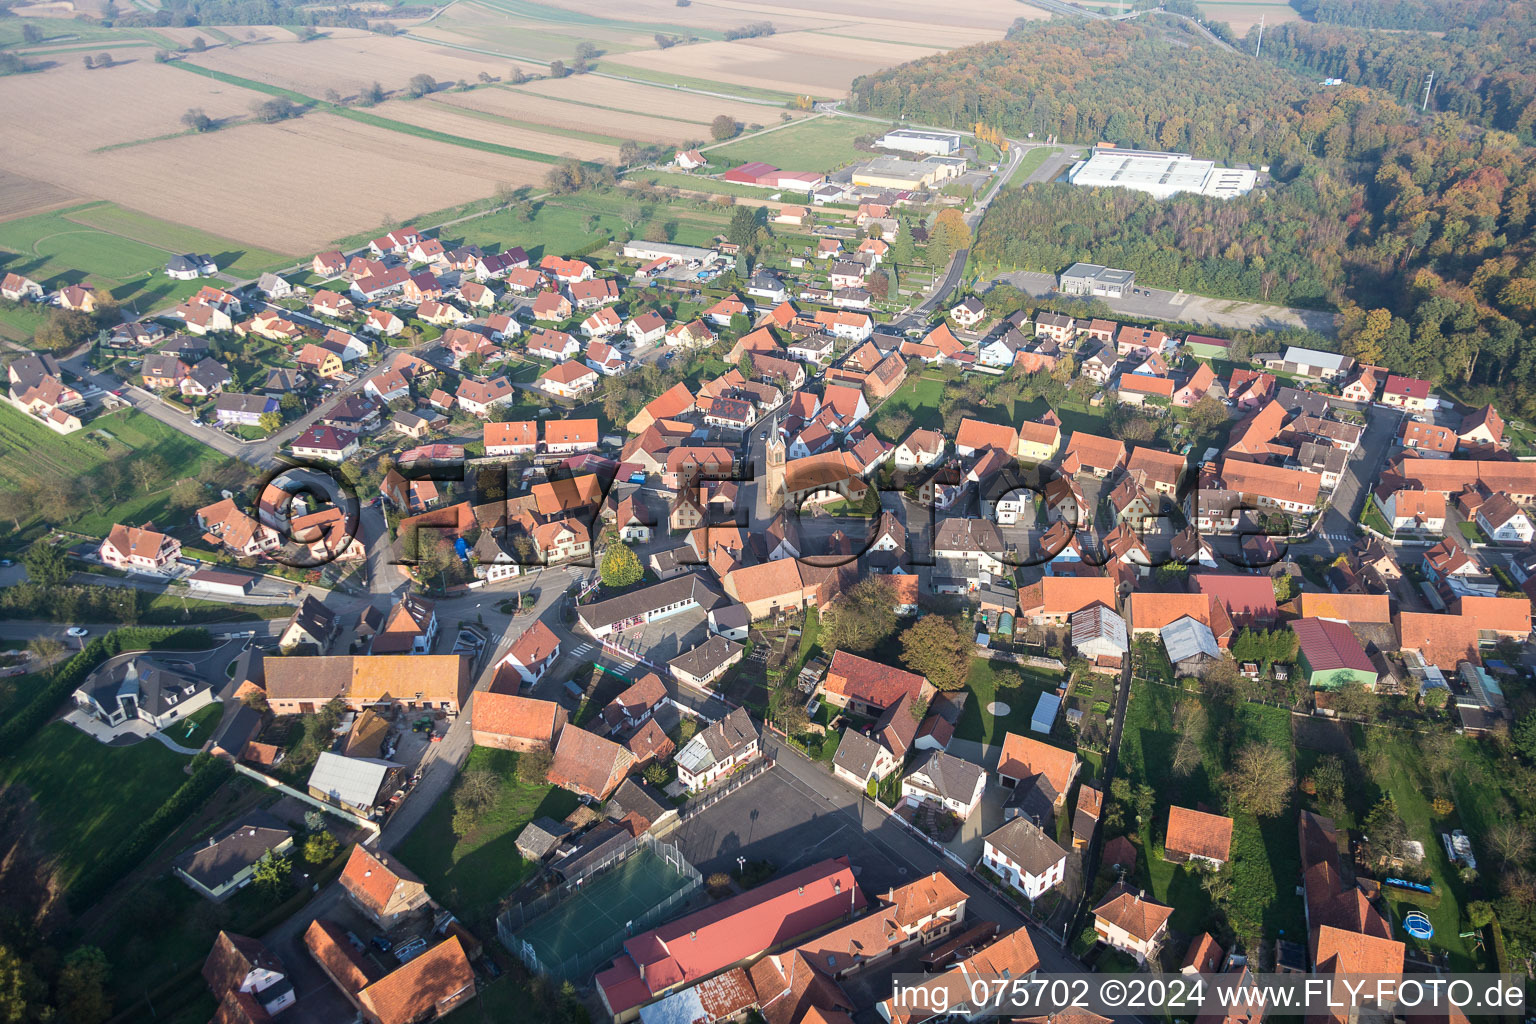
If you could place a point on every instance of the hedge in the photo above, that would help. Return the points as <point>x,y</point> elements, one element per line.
<point>208,775</point>
<point>66,678</point>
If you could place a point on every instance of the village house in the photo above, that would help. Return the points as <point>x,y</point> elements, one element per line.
<point>1024,857</point>
<point>1128,921</point>
<point>945,780</point>
<point>568,380</point>
<point>139,550</point>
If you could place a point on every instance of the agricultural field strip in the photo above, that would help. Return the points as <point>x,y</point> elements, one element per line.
<point>364,117</point>
<point>514,104</point>
<point>533,126</point>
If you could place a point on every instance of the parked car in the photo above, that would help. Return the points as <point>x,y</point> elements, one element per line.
<point>77,631</point>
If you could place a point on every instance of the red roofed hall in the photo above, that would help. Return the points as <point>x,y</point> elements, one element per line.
<point>694,947</point>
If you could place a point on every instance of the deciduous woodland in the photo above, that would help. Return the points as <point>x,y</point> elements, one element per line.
<point>1417,227</point>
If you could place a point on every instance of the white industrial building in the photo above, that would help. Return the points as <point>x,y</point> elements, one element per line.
<point>1160,174</point>
<point>911,140</point>
<point>642,250</point>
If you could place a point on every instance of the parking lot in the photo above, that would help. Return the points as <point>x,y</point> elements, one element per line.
<point>776,818</point>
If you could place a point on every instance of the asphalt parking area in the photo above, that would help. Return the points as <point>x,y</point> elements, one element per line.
<point>777,818</point>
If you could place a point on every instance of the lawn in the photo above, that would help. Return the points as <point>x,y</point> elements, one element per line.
<point>196,729</point>
<point>87,795</point>
<point>105,245</point>
<point>814,144</point>
<point>1032,160</point>
<point>31,454</point>
<point>1265,861</point>
<point>918,397</point>
<point>1475,787</point>
<point>977,723</point>
<point>473,872</point>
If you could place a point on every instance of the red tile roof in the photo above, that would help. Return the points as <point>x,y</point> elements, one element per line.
<point>699,944</point>
<point>1023,756</point>
<point>881,686</point>
<point>518,717</point>
<point>1198,834</point>
<point>437,979</point>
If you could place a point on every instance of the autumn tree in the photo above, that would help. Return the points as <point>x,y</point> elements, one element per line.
<point>420,85</point>
<point>620,566</point>
<point>934,647</point>
<point>862,618</point>
<point>723,127</point>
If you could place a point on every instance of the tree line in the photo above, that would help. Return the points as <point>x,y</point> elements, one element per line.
<point>1418,228</point>
<point>1485,74</point>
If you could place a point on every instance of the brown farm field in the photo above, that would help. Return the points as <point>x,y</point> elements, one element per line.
<point>443,118</point>
<point>1242,16</point>
<point>21,195</point>
<point>654,100</point>
<point>346,60</point>
<point>300,185</point>
<point>517,103</point>
<point>803,62</point>
<point>991,16</point>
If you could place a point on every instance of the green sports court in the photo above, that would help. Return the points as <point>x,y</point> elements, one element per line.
<point>591,923</point>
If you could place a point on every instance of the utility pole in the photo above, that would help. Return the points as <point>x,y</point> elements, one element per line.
<point>1429,83</point>
<point>1260,44</point>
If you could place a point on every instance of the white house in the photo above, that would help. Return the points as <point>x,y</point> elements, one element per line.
<point>646,329</point>
<point>137,688</point>
<point>968,313</point>
<point>922,448</point>
<point>1504,522</point>
<point>945,780</point>
<point>1024,857</point>
<point>717,751</point>
<point>533,653</point>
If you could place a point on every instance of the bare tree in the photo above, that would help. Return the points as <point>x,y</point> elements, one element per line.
<point>1261,779</point>
<point>1510,841</point>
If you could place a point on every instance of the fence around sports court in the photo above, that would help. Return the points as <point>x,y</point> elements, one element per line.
<point>516,921</point>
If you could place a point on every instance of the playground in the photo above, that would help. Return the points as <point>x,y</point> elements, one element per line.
<point>590,924</point>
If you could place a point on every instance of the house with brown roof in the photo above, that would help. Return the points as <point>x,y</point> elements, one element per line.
<point>974,435</point>
<point>1090,453</point>
<point>1273,487</point>
<point>248,980</point>
<point>1023,758</point>
<point>1197,835</point>
<point>1129,921</point>
<point>381,887</point>
<point>867,687</point>
<point>427,987</point>
<point>509,722</point>
<point>532,653</point>
<point>139,550</point>
<point>298,686</point>
<point>588,764</point>
<point>922,912</point>
<point>410,627</point>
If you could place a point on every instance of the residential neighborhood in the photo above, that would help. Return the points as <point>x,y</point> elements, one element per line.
<point>663,632</point>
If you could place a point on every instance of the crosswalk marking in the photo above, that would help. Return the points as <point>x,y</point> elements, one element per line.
<point>582,650</point>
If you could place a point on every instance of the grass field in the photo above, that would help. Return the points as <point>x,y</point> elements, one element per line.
<point>88,795</point>
<point>32,454</point>
<point>124,251</point>
<point>979,724</point>
<point>1032,160</point>
<point>814,144</point>
<point>1266,866</point>
<point>473,872</point>
<point>918,397</point>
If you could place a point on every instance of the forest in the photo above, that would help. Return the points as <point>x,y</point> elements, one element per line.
<point>1417,228</point>
<point>1485,74</point>
<point>1423,15</point>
